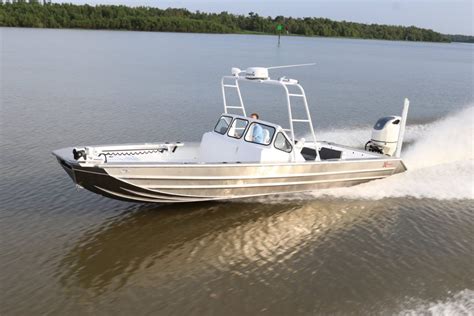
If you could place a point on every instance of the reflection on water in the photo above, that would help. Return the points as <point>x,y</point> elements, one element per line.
<point>186,239</point>
<point>363,253</point>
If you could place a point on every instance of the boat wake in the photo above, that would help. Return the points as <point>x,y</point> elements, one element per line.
<point>460,303</point>
<point>439,157</point>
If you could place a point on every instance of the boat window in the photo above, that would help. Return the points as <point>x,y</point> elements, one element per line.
<point>282,143</point>
<point>223,124</point>
<point>238,128</point>
<point>260,134</point>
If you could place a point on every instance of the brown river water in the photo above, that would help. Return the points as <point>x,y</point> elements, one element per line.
<point>398,246</point>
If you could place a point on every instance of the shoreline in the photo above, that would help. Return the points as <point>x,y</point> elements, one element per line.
<point>154,19</point>
<point>237,33</point>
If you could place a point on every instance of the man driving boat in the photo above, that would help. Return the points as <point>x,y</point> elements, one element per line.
<point>257,132</point>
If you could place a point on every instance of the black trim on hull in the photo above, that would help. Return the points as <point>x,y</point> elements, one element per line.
<point>68,168</point>
<point>98,181</point>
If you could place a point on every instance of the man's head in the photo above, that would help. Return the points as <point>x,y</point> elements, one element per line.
<point>254,116</point>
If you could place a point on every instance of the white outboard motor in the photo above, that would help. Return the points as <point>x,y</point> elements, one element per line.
<point>387,134</point>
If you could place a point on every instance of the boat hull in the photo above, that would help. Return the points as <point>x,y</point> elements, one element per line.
<point>172,183</point>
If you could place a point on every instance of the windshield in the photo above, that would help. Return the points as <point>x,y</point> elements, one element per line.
<point>282,143</point>
<point>238,128</point>
<point>222,125</point>
<point>260,134</point>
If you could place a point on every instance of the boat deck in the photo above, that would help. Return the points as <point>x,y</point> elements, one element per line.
<point>189,154</point>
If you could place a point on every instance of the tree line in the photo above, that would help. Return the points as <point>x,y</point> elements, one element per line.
<point>461,38</point>
<point>119,17</point>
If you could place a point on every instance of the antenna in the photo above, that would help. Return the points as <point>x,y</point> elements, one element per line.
<point>291,66</point>
<point>261,73</point>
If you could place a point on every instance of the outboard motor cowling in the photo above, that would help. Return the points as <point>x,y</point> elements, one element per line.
<point>385,136</point>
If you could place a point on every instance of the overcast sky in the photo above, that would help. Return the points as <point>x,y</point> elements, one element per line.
<point>445,16</point>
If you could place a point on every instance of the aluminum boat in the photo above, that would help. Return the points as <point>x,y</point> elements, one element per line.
<point>241,157</point>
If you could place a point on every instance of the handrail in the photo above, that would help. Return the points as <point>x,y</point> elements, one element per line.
<point>235,86</point>
<point>136,147</point>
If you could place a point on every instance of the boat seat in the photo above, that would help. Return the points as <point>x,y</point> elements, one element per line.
<point>308,153</point>
<point>324,153</point>
<point>266,136</point>
<point>328,153</point>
